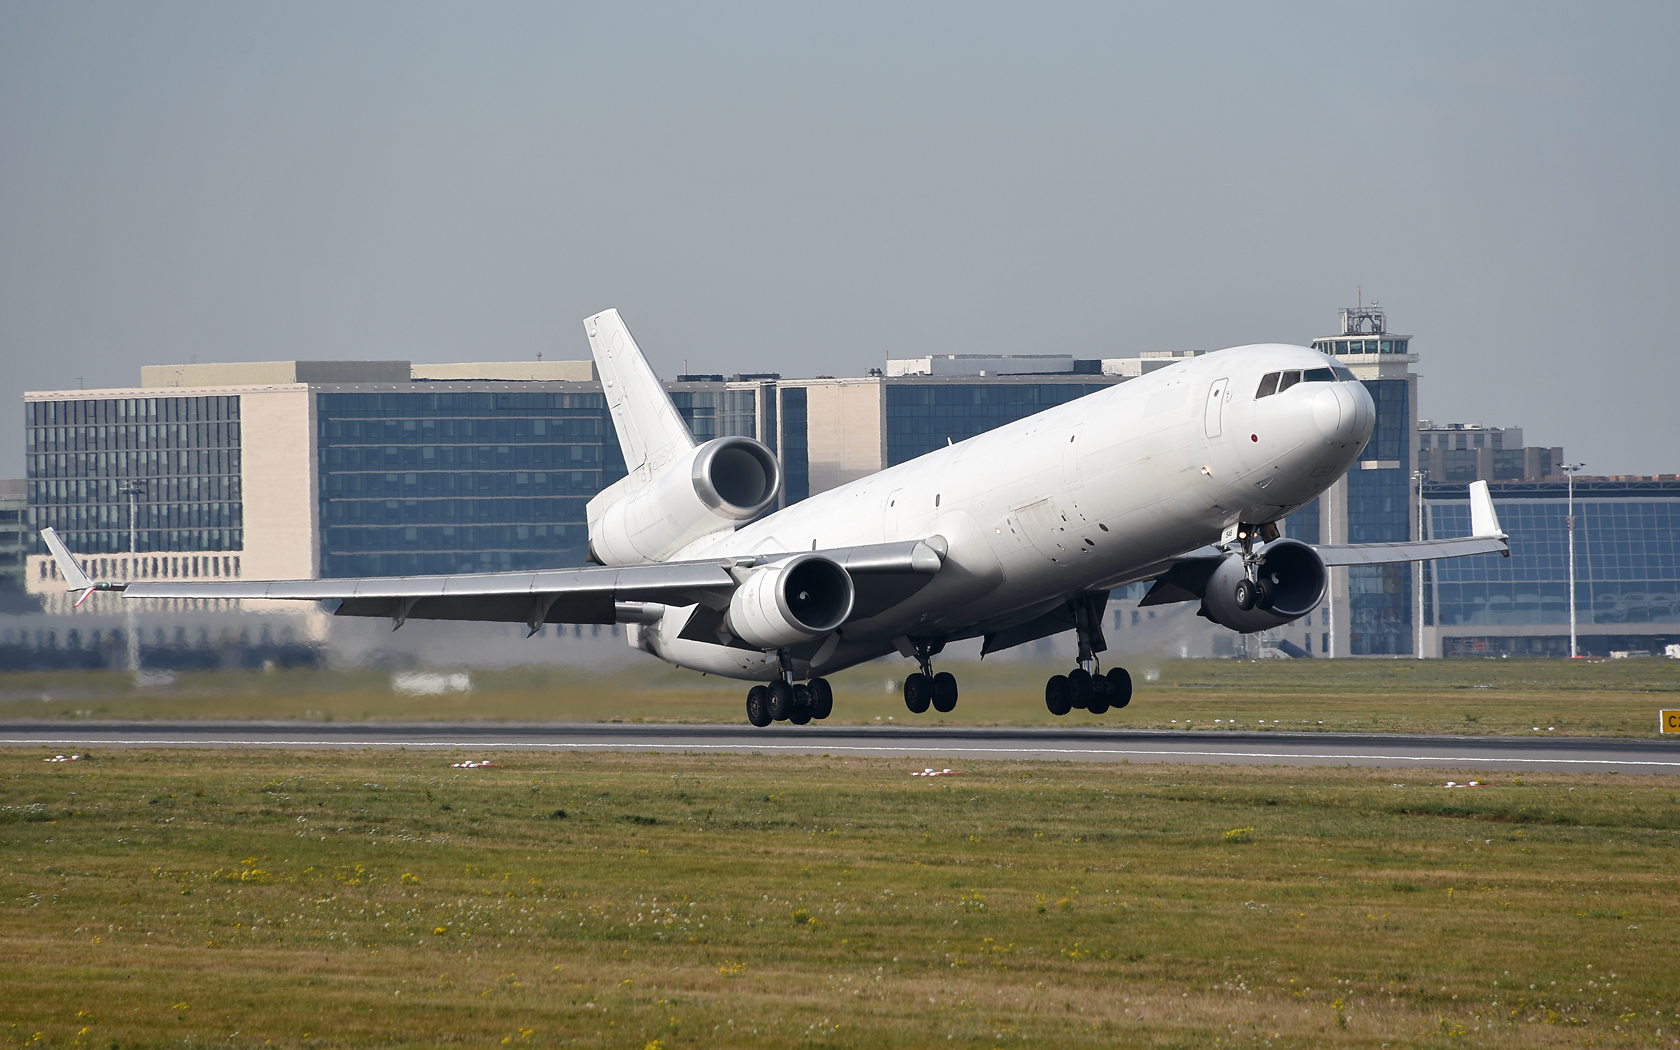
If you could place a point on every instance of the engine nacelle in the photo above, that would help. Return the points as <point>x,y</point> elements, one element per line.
<point>792,602</point>
<point>1289,582</point>
<point>715,486</point>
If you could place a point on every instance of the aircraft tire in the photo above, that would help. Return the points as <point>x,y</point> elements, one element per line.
<point>1244,594</point>
<point>758,706</point>
<point>945,692</point>
<point>918,692</point>
<point>1099,695</point>
<point>1079,693</point>
<point>801,713</point>
<point>1056,695</point>
<point>781,700</point>
<point>822,698</point>
<point>1119,687</point>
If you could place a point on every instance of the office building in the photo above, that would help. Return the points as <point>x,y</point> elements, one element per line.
<point>1466,452</point>
<point>285,470</point>
<point>15,536</point>
<point>1627,569</point>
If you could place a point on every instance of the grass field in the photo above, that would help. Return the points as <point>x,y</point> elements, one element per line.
<point>622,900</point>
<point>1617,697</point>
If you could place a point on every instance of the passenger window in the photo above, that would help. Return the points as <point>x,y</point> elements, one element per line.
<point>1289,379</point>
<point>1319,375</point>
<point>1343,374</point>
<point>1268,385</point>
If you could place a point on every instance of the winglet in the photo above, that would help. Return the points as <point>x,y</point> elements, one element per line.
<point>650,430</point>
<point>1483,521</point>
<point>74,578</point>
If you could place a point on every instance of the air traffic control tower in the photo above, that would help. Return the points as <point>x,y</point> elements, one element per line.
<point>1372,608</point>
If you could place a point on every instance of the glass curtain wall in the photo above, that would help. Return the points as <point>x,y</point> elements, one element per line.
<point>434,482</point>
<point>924,417</point>
<point>182,453</point>
<point>1627,555</point>
<point>1380,596</point>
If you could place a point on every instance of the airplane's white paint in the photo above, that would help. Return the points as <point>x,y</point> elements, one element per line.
<point>1083,496</point>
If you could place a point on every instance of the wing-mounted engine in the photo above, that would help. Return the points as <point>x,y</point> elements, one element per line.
<point>719,485</point>
<point>1289,581</point>
<point>790,602</point>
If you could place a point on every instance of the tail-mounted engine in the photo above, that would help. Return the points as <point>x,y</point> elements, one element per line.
<point>791,602</point>
<point>1289,581</point>
<point>718,485</point>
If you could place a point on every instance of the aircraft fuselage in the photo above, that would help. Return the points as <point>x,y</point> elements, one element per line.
<point>1081,497</point>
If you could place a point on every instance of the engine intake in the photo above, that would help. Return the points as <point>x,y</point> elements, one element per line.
<point>1289,582</point>
<point>725,482</point>
<point>791,602</point>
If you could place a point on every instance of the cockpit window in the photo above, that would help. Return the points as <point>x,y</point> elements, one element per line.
<point>1345,375</point>
<point>1318,375</point>
<point>1289,379</point>
<point>1268,385</point>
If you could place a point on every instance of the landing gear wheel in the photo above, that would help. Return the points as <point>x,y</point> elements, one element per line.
<point>1058,695</point>
<point>1119,687</point>
<point>1244,594</point>
<point>944,692</point>
<point>1099,695</point>
<point>758,706</point>
<point>801,713</point>
<point>1079,682</point>
<point>781,700</point>
<point>822,698</point>
<point>918,692</point>
<point>1265,593</point>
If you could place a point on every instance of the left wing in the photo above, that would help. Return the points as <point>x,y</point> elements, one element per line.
<point>589,594</point>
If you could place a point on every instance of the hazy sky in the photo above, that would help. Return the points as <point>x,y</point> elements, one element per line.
<point>811,189</point>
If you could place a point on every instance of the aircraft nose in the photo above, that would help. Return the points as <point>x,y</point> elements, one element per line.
<point>1344,412</point>
<point>1364,411</point>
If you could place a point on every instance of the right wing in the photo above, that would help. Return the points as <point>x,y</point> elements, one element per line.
<point>881,572</point>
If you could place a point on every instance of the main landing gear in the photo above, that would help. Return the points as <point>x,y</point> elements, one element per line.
<point>922,688</point>
<point>783,701</point>
<point>1085,686</point>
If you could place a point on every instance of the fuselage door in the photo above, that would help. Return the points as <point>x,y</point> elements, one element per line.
<point>1216,406</point>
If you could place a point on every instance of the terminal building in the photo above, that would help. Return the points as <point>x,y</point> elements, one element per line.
<point>1627,569</point>
<point>301,469</point>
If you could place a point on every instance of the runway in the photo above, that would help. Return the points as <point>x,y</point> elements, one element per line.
<point>939,745</point>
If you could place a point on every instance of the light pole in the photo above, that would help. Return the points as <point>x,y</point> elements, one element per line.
<point>133,490</point>
<point>1569,470</point>
<point>1418,478</point>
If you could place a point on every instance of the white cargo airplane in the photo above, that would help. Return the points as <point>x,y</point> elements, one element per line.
<point>1020,533</point>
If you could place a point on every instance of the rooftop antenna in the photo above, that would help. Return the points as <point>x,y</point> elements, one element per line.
<point>539,356</point>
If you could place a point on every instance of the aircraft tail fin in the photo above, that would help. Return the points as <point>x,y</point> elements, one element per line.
<point>650,430</point>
